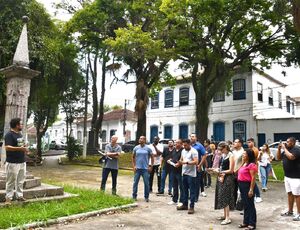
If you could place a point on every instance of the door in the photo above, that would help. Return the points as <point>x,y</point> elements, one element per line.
<point>153,132</point>
<point>219,131</point>
<point>261,139</point>
<point>183,131</point>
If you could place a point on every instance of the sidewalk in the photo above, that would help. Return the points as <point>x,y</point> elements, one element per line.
<point>157,213</point>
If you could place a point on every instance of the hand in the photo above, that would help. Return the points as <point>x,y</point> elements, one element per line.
<point>150,168</point>
<point>177,165</point>
<point>134,169</point>
<point>250,193</point>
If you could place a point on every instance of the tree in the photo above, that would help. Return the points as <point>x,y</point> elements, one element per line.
<point>90,26</point>
<point>144,48</point>
<point>296,13</point>
<point>214,38</point>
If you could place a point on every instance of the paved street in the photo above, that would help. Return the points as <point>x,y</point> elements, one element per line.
<point>157,213</point>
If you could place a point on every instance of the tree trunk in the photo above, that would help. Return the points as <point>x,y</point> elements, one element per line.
<point>101,104</point>
<point>142,98</point>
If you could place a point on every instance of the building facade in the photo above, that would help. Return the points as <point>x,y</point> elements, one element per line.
<point>258,106</point>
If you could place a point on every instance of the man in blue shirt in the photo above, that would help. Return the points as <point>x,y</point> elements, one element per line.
<point>141,167</point>
<point>200,167</point>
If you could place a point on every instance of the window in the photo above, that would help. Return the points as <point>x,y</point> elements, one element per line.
<point>112,132</point>
<point>168,131</point>
<point>239,130</point>
<point>219,96</point>
<point>288,106</point>
<point>293,108</point>
<point>103,135</point>
<point>155,102</point>
<point>239,89</point>
<point>270,96</point>
<point>168,98</point>
<point>183,96</point>
<point>279,100</point>
<point>259,91</point>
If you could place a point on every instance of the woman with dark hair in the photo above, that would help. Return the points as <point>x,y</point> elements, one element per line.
<point>224,195</point>
<point>246,180</point>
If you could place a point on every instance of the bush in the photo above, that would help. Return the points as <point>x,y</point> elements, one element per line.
<point>74,150</point>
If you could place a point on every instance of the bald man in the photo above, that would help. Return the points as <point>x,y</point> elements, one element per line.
<point>113,151</point>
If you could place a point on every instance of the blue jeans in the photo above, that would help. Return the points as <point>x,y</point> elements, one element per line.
<point>199,184</point>
<point>264,173</point>
<point>138,173</point>
<point>256,191</point>
<point>177,182</point>
<point>189,188</point>
<point>249,206</point>
<point>114,174</point>
<point>164,175</point>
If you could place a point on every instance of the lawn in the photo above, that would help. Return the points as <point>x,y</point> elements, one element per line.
<point>88,200</point>
<point>278,169</point>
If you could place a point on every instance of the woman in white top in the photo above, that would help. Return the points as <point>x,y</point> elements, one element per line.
<point>265,158</point>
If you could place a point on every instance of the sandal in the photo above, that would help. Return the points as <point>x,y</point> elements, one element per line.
<point>250,227</point>
<point>221,218</point>
<point>242,225</point>
<point>225,222</point>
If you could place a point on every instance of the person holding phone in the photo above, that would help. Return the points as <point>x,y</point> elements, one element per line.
<point>289,153</point>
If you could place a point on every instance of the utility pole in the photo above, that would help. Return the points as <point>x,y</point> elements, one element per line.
<point>124,121</point>
<point>85,111</point>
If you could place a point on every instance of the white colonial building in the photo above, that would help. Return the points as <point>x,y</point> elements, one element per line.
<point>259,107</point>
<point>113,124</point>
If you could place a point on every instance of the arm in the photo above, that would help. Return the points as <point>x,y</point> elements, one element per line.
<point>158,152</point>
<point>253,176</point>
<point>279,153</point>
<point>259,156</point>
<point>152,162</point>
<point>15,149</point>
<point>113,155</point>
<point>133,162</point>
<point>203,160</point>
<point>289,155</point>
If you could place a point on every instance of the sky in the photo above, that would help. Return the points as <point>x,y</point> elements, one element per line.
<point>117,93</point>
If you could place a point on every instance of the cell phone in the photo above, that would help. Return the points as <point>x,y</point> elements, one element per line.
<point>280,141</point>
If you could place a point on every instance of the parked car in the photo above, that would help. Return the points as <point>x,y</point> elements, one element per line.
<point>57,145</point>
<point>274,146</point>
<point>128,146</point>
<point>164,142</point>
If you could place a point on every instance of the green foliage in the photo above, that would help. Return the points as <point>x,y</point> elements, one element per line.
<point>88,200</point>
<point>74,150</point>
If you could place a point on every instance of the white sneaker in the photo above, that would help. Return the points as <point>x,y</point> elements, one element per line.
<point>258,199</point>
<point>171,202</point>
<point>296,217</point>
<point>203,194</point>
<point>179,204</point>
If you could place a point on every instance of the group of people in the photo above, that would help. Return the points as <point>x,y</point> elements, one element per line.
<point>189,166</point>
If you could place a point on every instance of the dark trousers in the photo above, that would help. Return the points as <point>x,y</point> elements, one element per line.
<point>207,179</point>
<point>164,175</point>
<point>155,170</point>
<point>249,207</point>
<point>199,184</point>
<point>177,183</point>
<point>189,185</point>
<point>114,174</point>
<point>256,191</point>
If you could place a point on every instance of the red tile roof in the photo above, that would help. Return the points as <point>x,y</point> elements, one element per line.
<point>119,115</point>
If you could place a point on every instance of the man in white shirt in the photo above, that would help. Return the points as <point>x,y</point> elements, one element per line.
<point>189,161</point>
<point>237,151</point>
<point>157,150</point>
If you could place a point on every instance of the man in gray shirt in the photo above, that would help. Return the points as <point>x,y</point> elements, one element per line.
<point>113,151</point>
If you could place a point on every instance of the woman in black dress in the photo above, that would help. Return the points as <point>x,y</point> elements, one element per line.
<point>224,196</point>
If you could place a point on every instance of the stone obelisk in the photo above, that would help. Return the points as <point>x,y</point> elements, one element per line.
<point>18,77</point>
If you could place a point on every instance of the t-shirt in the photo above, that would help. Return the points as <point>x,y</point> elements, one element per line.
<point>200,149</point>
<point>292,167</point>
<point>112,163</point>
<point>189,155</point>
<point>160,147</point>
<point>265,159</point>
<point>16,140</point>
<point>176,155</point>
<point>244,172</point>
<point>167,155</point>
<point>237,154</point>
<point>142,154</point>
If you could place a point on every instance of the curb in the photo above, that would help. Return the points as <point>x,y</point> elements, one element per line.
<point>72,217</point>
<point>92,165</point>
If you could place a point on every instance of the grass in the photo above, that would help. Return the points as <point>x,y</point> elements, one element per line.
<point>124,160</point>
<point>278,169</point>
<point>88,200</point>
